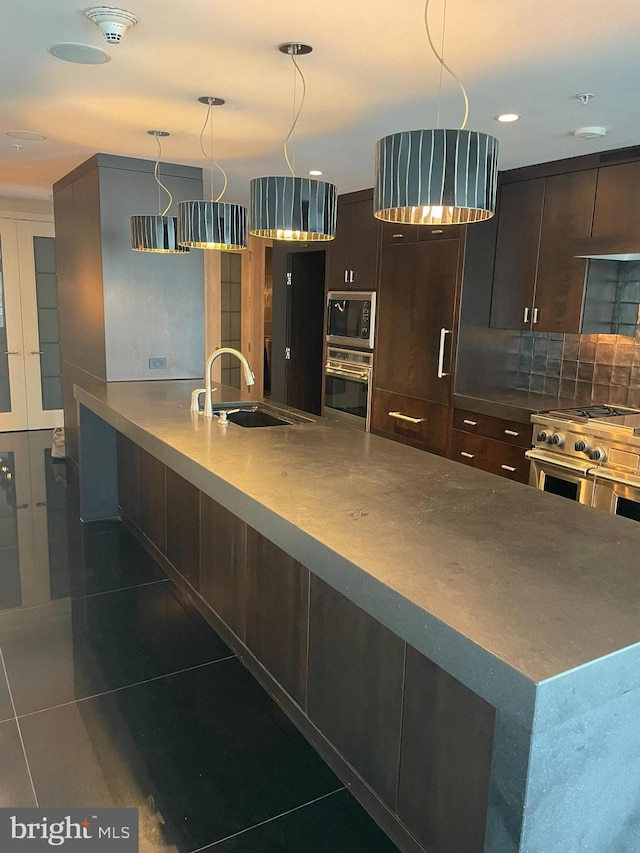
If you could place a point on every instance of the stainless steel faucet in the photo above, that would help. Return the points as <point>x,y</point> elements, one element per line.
<point>249,376</point>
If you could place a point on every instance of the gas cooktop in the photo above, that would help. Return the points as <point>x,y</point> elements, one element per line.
<point>600,416</point>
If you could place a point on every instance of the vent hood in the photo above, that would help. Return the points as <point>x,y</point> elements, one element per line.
<point>608,248</point>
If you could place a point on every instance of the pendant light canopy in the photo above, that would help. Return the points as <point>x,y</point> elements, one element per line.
<point>212,224</point>
<point>285,207</point>
<point>156,233</point>
<point>440,176</point>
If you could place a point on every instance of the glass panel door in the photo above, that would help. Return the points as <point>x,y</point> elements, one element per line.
<point>30,373</point>
<point>41,333</point>
<point>13,400</point>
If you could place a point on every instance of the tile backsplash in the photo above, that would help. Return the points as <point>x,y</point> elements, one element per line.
<point>602,368</point>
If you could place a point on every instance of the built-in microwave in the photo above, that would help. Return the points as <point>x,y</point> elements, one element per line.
<point>351,318</point>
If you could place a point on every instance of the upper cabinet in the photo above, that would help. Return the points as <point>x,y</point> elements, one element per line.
<point>352,256</point>
<point>617,208</point>
<point>538,284</point>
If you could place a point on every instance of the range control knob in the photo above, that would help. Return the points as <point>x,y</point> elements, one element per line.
<point>556,439</point>
<point>542,436</point>
<point>598,454</point>
<point>582,446</point>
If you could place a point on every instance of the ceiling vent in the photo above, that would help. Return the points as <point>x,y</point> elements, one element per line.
<point>113,23</point>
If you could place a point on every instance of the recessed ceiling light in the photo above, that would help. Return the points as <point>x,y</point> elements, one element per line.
<point>84,54</point>
<point>26,135</point>
<point>506,117</point>
<point>315,172</point>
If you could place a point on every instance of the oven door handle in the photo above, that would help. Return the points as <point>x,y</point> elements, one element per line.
<point>616,477</point>
<point>566,463</point>
<point>357,375</point>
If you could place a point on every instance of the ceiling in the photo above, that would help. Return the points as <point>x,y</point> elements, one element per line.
<point>371,73</point>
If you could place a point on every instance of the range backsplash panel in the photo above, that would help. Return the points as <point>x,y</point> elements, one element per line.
<point>602,368</point>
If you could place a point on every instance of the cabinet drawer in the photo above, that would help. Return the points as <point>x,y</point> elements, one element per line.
<point>486,454</point>
<point>418,423</point>
<point>399,232</point>
<point>502,430</point>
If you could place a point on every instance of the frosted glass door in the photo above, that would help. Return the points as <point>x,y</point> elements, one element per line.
<point>13,399</point>
<point>30,382</point>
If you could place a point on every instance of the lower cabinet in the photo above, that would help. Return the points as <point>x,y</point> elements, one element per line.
<point>419,423</point>
<point>491,444</point>
<point>413,743</point>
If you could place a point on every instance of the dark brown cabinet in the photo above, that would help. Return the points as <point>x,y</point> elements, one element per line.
<point>352,257</point>
<point>183,527</point>
<point>617,207</point>
<point>356,671</point>
<point>414,350</point>
<point>445,762</point>
<point>152,499</point>
<point>277,603</point>
<point>491,444</point>
<point>538,283</point>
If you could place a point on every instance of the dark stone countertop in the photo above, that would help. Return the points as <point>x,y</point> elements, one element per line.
<point>511,590</point>
<point>512,405</point>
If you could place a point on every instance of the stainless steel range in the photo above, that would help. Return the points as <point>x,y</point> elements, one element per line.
<point>590,455</point>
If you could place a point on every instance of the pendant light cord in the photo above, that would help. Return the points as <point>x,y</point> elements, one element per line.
<point>444,65</point>
<point>209,156</point>
<point>159,182</point>
<point>297,114</point>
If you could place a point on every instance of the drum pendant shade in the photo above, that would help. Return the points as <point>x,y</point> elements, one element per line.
<point>212,225</point>
<point>155,233</point>
<point>291,208</point>
<point>436,177</point>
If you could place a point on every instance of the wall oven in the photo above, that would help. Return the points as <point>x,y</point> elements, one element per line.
<point>351,318</point>
<point>347,396</point>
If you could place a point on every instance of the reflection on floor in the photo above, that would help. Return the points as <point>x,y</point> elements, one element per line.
<point>113,694</point>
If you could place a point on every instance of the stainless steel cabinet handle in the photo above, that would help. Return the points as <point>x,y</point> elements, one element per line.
<point>398,236</point>
<point>536,314</point>
<point>351,274</point>
<point>508,468</point>
<point>443,333</point>
<point>467,455</point>
<point>470,423</point>
<point>511,432</point>
<point>400,417</point>
<point>525,319</point>
<point>36,352</point>
<point>12,352</point>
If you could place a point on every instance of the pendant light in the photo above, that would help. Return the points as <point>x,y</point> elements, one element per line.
<point>212,224</point>
<point>436,177</point>
<point>156,233</point>
<point>285,207</point>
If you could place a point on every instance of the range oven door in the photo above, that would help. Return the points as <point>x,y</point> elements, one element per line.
<point>617,493</point>
<point>563,476</point>
<point>347,395</point>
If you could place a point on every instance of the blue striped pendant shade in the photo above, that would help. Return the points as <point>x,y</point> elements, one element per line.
<point>155,234</point>
<point>436,177</point>
<point>288,208</point>
<point>212,225</point>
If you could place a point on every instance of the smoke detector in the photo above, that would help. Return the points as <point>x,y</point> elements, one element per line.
<point>113,23</point>
<point>590,132</point>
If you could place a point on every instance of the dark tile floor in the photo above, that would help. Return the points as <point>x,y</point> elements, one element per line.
<point>113,694</point>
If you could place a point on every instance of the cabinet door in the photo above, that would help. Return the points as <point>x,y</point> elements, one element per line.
<point>339,251</point>
<point>364,245</point>
<point>416,301</point>
<point>560,282</point>
<point>617,207</point>
<point>520,216</point>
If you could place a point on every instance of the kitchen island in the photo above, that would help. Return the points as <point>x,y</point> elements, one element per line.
<point>464,650</point>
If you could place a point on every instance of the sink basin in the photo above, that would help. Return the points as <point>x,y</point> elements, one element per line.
<point>257,415</point>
